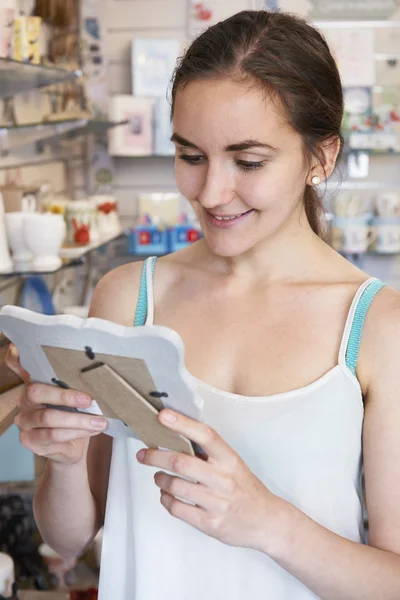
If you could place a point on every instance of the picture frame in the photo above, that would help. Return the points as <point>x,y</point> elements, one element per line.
<point>130,372</point>
<point>136,137</point>
<point>153,64</point>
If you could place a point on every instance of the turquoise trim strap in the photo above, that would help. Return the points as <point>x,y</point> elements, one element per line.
<point>353,346</point>
<point>141,309</point>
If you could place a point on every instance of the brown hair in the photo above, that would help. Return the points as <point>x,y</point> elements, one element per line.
<point>284,55</point>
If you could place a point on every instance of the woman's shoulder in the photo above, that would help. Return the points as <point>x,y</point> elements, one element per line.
<point>380,347</point>
<point>116,294</point>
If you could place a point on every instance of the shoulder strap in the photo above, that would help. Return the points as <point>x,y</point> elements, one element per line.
<point>145,303</point>
<point>350,345</point>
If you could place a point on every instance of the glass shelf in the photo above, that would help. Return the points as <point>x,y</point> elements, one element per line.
<point>18,77</point>
<point>361,184</point>
<point>384,152</point>
<point>20,135</point>
<point>141,156</point>
<point>16,136</point>
<point>75,260</point>
<point>86,126</point>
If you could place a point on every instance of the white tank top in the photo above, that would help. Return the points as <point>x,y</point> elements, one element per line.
<point>304,445</point>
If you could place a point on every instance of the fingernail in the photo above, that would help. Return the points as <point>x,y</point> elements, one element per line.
<point>140,455</point>
<point>13,350</point>
<point>98,422</point>
<point>167,416</point>
<point>83,400</point>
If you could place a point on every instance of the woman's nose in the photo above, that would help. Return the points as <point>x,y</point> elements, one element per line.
<point>217,189</point>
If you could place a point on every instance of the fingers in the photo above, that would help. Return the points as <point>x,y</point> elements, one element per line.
<point>190,492</point>
<point>38,394</point>
<point>56,420</point>
<point>12,362</point>
<point>41,441</point>
<point>186,466</point>
<point>203,435</point>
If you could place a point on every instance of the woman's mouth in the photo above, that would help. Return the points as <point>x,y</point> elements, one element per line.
<point>226,221</point>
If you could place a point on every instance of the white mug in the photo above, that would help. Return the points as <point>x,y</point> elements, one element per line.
<point>352,235</point>
<point>21,254</point>
<point>44,234</point>
<point>387,235</point>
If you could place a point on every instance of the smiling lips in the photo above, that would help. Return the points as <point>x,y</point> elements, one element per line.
<point>225,221</point>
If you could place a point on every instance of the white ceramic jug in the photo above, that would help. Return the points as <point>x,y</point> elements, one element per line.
<point>6,264</point>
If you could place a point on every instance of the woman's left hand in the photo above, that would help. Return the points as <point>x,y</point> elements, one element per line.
<point>228,501</point>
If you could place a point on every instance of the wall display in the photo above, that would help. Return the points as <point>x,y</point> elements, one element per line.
<point>163,128</point>
<point>353,50</point>
<point>386,110</point>
<point>7,13</point>
<point>136,137</point>
<point>372,118</point>
<point>353,9</point>
<point>26,40</point>
<point>153,64</point>
<point>202,14</point>
<point>357,109</point>
<point>100,173</point>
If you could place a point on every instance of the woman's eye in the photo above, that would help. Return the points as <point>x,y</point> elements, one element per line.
<point>245,165</point>
<point>191,159</point>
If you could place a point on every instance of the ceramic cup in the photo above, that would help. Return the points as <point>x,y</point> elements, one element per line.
<point>352,235</point>
<point>80,216</point>
<point>21,254</point>
<point>387,235</point>
<point>44,235</point>
<point>108,222</point>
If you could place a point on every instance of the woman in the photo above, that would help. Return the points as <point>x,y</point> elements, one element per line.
<point>272,320</point>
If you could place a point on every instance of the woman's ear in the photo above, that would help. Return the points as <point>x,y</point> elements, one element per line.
<point>324,161</point>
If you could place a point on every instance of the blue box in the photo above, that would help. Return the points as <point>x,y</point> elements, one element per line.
<point>147,240</point>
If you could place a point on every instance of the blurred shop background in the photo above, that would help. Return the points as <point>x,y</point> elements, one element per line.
<point>87,183</point>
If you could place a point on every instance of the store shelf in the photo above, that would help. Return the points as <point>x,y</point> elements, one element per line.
<point>77,258</point>
<point>18,77</point>
<point>16,162</point>
<point>94,126</point>
<point>338,186</point>
<point>141,156</point>
<point>384,152</point>
<point>17,136</point>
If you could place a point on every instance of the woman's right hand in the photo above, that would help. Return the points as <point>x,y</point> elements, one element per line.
<point>60,436</point>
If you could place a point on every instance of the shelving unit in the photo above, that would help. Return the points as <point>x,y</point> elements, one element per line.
<point>79,257</point>
<point>17,136</point>
<point>18,77</point>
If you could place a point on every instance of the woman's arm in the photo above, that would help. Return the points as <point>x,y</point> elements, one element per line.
<point>70,501</point>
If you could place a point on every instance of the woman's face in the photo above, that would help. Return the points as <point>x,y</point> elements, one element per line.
<point>239,163</point>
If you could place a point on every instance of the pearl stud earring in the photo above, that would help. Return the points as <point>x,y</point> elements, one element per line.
<point>316,180</point>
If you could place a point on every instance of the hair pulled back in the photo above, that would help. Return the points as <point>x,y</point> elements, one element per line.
<point>287,58</point>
